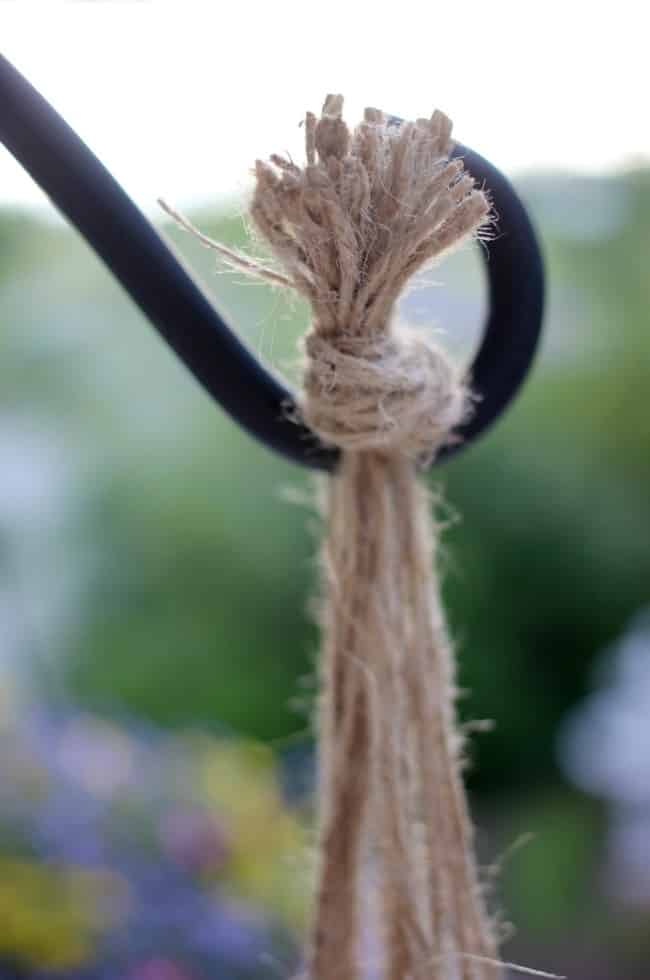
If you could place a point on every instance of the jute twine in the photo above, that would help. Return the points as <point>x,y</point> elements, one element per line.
<point>350,228</point>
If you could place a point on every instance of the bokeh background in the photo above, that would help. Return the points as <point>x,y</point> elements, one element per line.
<point>156,566</point>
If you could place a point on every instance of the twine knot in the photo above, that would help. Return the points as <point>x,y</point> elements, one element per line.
<point>393,391</point>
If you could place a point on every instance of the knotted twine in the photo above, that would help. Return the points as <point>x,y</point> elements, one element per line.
<point>350,229</point>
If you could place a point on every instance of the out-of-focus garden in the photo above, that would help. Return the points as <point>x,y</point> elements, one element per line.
<point>157,655</point>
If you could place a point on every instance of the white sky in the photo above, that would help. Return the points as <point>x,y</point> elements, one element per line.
<point>179,98</point>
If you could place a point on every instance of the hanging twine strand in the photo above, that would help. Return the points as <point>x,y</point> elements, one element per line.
<point>350,229</point>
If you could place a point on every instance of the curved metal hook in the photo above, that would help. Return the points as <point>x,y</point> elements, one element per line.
<point>83,189</point>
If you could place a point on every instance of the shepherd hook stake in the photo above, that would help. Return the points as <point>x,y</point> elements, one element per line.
<point>92,200</point>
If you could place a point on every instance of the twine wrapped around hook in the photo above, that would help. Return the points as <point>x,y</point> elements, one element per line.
<point>349,229</point>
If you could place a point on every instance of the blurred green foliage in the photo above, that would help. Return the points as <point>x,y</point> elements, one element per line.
<point>194,607</point>
<point>195,567</point>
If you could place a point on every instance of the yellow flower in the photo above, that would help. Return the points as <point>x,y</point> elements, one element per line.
<point>51,916</point>
<point>267,840</point>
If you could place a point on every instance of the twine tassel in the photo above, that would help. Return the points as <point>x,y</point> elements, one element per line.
<point>384,628</point>
<point>368,210</point>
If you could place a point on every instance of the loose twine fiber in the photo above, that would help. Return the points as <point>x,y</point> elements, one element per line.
<point>350,228</point>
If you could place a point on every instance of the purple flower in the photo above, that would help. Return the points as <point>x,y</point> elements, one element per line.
<point>158,968</point>
<point>194,839</point>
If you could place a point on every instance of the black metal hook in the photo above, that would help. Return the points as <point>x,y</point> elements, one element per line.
<point>81,187</point>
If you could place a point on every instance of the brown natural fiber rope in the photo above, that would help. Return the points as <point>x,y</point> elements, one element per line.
<point>350,229</point>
